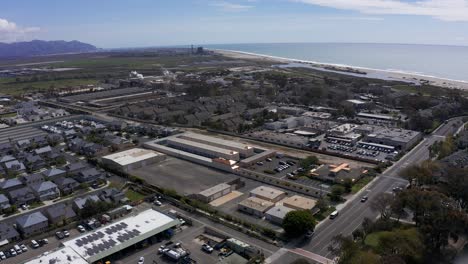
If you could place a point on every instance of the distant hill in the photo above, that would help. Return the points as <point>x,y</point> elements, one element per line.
<point>40,47</point>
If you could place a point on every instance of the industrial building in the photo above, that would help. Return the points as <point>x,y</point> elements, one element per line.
<point>277,214</point>
<point>258,157</point>
<point>399,138</point>
<point>297,202</point>
<point>243,149</point>
<point>267,193</point>
<point>202,149</point>
<point>107,240</point>
<point>132,159</point>
<point>215,192</point>
<point>255,206</point>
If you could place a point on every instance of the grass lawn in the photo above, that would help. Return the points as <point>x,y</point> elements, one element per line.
<point>372,240</point>
<point>360,184</point>
<point>134,196</point>
<point>35,205</point>
<point>16,88</point>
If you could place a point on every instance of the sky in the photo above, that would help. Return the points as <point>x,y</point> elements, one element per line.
<point>144,23</point>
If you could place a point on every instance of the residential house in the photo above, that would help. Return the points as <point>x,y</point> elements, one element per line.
<point>15,166</point>
<point>22,195</point>
<point>8,234</point>
<point>60,213</point>
<point>6,148</point>
<point>93,149</point>
<point>76,144</point>
<point>6,159</point>
<point>34,162</point>
<point>23,144</point>
<point>79,203</point>
<point>69,134</point>
<point>88,176</point>
<point>66,185</point>
<point>11,184</point>
<point>44,152</point>
<point>31,179</point>
<point>53,173</point>
<point>4,203</point>
<point>112,195</point>
<point>46,190</point>
<point>74,168</point>
<point>40,141</point>
<point>32,224</point>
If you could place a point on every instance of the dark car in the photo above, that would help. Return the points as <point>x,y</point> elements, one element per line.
<point>364,199</point>
<point>59,235</point>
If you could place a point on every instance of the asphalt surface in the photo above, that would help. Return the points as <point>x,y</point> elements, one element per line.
<point>353,213</point>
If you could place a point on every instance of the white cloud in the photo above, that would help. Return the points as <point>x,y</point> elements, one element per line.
<point>364,18</point>
<point>447,10</point>
<point>227,6</point>
<point>10,32</point>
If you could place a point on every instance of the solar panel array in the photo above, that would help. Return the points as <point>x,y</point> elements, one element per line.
<point>93,248</point>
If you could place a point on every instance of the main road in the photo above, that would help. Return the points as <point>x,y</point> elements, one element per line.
<point>354,211</point>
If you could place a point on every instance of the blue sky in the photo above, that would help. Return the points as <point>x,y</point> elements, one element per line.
<point>140,23</point>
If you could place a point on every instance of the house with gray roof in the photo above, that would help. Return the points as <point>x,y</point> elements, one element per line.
<point>44,151</point>
<point>23,195</point>
<point>4,203</point>
<point>8,234</point>
<point>53,173</point>
<point>31,179</point>
<point>31,224</point>
<point>15,166</point>
<point>34,162</point>
<point>11,184</point>
<point>88,176</point>
<point>6,148</point>
<point>46,190</point>
<point>7,158</point>
<point>111,195</point>
<point>79,203</point>
<point>66,185</point>
<point>277,214</point>
<point>73,168</point>
<point>24,143</point>
<point>60,213</point>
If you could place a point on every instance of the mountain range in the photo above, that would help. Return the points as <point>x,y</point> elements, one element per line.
<point>41,47</point>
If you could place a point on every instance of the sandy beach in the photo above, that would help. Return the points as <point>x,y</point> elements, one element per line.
<point>355,71</point>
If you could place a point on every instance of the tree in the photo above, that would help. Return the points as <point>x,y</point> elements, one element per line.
<point>297,223</point>
<point>348,185</point>
<point>382,204</point>
<point>457,185</point>
<point>309,161</point>
<point>349,252</point>
<point>406,244</point>
<point>336,193</point>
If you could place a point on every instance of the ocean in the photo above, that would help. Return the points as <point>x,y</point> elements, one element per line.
<point>446,62</point>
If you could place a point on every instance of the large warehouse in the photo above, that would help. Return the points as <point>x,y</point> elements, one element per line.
<point>107,240</point>
<point>132,159</point>
<point>202,149</point>
<point>399,138</point>
<point>243,149</point>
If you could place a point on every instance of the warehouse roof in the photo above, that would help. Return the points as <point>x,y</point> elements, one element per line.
<point>65,255</point>
<point>132,155</point>
<point>215,189</point>
<point>279,211</point>
<point>215,140</point>
<point>395,134</point>
<point>266,192</point>
<point>299,202</point>
<point>201,145</point>
<point>112,238</point>
<point>257,204</point>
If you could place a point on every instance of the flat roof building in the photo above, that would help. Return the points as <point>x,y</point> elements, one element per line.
<point>65,255</point>
<point>255,206</point>
<point>396,137</point>
<point>215,192</point>
<point>268,194</point>
<point>202,149</point>
<point>244,150</point>
<point>277,214</point>
<point>299,202</point>
<point>133,159</point>
<point>107,240</point>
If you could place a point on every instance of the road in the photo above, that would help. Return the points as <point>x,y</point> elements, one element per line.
<point>354,211</point>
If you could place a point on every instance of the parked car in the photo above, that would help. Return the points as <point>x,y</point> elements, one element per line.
<point>162,249</point>
<point>81,228</point>
<point>23,247</point>
<point>309,234</point>
<point>141,260</point>
<point>17,249</point>
<point>334,215</point>
<point>66,233</point>
<point>207,248</point>
<point>59,235</point>
<point>13,252</point>
<point>34,244</point>
<point>44,241</point>
<point>2,255</point>
<point>158,203</point>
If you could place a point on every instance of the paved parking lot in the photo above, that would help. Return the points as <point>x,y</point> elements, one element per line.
<point>183,176</point>
<point>358,150</point>
<point>278,167</point>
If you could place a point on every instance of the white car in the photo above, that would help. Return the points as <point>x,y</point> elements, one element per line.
<point>23,247</point>
<point>81,229</point>
<point>13,252</point>
<point>2,255</point>
<point>141,260</point>
<point>66,233</point>
<point>158,203</point>
<point>34,244</point>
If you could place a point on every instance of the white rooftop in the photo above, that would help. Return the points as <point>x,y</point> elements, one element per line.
<point>65,255</point>
<point>215,140</point>
<point>112,238</point>
<point>132,155</point>
<point>200,145</point>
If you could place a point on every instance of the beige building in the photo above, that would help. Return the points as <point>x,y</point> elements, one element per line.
<point>133,159</point>
<point>255,206</point>
<point>268,194</point>
<point>299,202</point>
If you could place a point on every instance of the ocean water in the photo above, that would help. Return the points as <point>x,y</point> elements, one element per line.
<point>447,62</point>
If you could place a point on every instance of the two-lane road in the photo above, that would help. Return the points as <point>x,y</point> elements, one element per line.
<point>353,213</point>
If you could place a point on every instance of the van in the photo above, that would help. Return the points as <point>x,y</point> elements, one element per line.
<point>334,215</point>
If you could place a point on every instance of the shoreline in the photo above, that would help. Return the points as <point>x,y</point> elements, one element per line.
<point>390,75</point>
